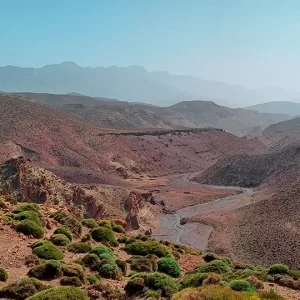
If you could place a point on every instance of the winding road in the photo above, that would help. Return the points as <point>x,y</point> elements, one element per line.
<point>170,227</point>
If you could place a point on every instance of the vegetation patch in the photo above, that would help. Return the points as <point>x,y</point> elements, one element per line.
<point>26,207</point>
<point>69,221</point>
<point>169,266</point>
<point>59,240</point>
<point>28,215</point>
<point>100,234</point>
<point>110,271</point>
<point>61,293</point>
<point>80,247</point>
<point>241,285</point>
<point>74,281</point>
<point>47,250</point>
<point>64,230</point>
<point>46,270</point>
<point>151,246</point>
<point>22,289</point>
<point>143,264</point>
<point>193,280</point>
<point>89,223</point>
<point>29,227</point>
<point>72,270</point>
<point>215,266</point>
<point>91,260</point>
<point>278,269</point>
<point>3,275</point>
<point>100,249</point>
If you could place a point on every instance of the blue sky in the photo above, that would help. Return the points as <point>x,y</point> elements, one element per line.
<point>250,42</point>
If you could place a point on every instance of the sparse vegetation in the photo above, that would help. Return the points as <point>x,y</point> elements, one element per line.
<point>193,280</point>
<point>94,279</point>
<point>89,223</point>
<point>74,281</point>
<point>3,275</point>
<point>69,221</point>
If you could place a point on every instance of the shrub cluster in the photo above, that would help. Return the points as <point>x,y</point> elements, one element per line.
<point>59,239</point>
<point>169,266</point>
<point>47,250</point>
<point>65,231</point>
<point>80,247</point>
<point>102,233</point>
<point>151,246</point>
<point>69,221</point>
<point>46,270</point>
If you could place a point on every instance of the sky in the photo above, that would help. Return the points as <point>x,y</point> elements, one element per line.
<point>254,43</point>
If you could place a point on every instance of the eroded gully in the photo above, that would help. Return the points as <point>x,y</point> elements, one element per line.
<point>197,234</point>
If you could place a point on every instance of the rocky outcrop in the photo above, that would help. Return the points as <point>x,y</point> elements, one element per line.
<point>133,205</point>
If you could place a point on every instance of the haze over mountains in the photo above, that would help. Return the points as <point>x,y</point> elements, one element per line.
<point>133,83</point>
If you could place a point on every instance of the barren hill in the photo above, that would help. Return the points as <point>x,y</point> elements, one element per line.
<point>284,126</point>
<point>188,114</point>
<point>237,121</point>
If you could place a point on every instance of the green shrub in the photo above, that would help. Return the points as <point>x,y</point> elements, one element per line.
<point>89,223</point>
<point>3,275</point>
<point>278,269</point>
<point>26,207</point>
<point>80,247</point>
<point>100,234</point>
<point>295,274</point>
<point>29,227</point>
<point>74,269</point>
<point>100,249</point>
<point>193,280</point>
<point>122,266</point>
<point>64,230</point>
<point>74,281</point>
<point>94,279</point>
<point>61,293</point>
<point>270,295</point>
<point>47,250</point>
<point>59,240</point>
<point>139,247</point>
<point>105,223</point>
<point>91,260</point>
<point>122,239</point>
<point>69,221</point>
<point>118,228</point>
<point>241,285</point>
<point>215,266</point>
<point>143,264</point>
<point>28,215</point>
<point>158,281</point>
<point>169,266</point>
<point>46,270</point>
<point>208,257</point>
<point>110,271</point>
<point>135,285</point>
<point>106,256</point>
<point>22,289</point>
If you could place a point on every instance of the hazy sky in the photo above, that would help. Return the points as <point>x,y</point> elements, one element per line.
<point>255,43</point>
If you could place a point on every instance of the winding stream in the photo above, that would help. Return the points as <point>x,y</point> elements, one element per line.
<point>197,234</point>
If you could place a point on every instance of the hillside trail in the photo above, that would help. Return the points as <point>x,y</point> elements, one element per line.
<point>197,234</point>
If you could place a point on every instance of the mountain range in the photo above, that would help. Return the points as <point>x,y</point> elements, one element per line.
<point>133,83</point>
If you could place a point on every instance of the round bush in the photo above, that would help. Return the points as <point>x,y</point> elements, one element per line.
<point>74,281</point>
<point>3,275</point>
<point>22,289</point>
<point>61,293</point>
<point>106,256</point>
<point>110,271</point>
<point>26,207</point>
<point>100,249</point>
<point>74,269</point>
<point>94,279</point>
<point>29,227</point>
<point>46,270</point>
<point>138,247</point>
<point>135,285</point>
<point>169,266</point>
<point>80,247</point>
<point>64,230</point>
<point>89,223</point>
<point>28,215</point>
<point>47,250</point>
<point>69,221</point>
<point>215,266</point>
<point>278,269</point>
<point>118,228</point>
<point>59,240</point>
<point>104,234</point>
<point>193,280</point>
<point>91,260</point>
<point>143,264</point>
<point>241,285</point>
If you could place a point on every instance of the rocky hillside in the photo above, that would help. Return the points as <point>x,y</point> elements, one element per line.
<point>52,138</point>
<point>187,114</point>
<point>284,126</point>
<point>237,121</point>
